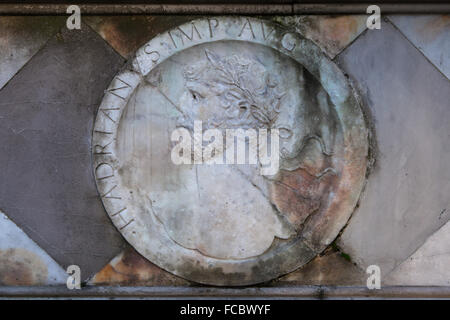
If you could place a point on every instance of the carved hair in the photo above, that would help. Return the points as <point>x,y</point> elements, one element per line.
<point>247,92</point>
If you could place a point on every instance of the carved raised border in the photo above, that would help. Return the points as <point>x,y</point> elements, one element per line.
<point>320,232</point>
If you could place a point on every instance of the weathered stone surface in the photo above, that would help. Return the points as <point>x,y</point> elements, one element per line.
<point>331,33</point>
<point>329,269</point>
<point>430,34</point>
<point>22,261</point>
<point>229,224</point>
<point>20,38</point>
<point>395,94</point>
<point>428,266</point>
<point>46,183</point>
<point>129,268</point>
<point>406,198</point>
<point>127,33</point>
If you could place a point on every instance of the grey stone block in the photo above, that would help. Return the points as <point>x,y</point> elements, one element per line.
<point>46,179</point>
<point>406,198</point>
<point>21,37</point>
<point>22,262</point>
<point>429,265</point>
<point>430,34</point>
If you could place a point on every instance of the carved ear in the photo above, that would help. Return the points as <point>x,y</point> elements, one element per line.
<point>212,57</point>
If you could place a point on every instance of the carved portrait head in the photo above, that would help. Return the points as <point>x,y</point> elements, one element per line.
<point>226,92</point>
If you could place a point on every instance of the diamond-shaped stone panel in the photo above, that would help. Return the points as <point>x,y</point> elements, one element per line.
<point>408,101</point>
<point>47,185</point>
<point>22,261</point>
<point>20,38</point>
<point>430,34</point>
<point>429,265</point>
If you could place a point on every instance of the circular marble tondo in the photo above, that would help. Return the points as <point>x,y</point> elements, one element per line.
<point>262,100</point>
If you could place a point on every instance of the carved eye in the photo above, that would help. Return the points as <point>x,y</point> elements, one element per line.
<point>197,96</point>
<point>243,106</point>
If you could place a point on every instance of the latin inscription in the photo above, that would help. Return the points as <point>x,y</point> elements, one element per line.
<point>119,91</point>
<point>182,35</point>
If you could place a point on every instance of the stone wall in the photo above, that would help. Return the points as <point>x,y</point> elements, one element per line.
<point>52,81</point>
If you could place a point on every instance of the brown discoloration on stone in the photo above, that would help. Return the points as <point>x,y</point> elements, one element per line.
<point>297,194</point>
<point>127,33</point>
<point>331,33</point>
<point>20,267</point>
<point>328,269</point>
<point>349,178</point>
<point>130,268</point>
